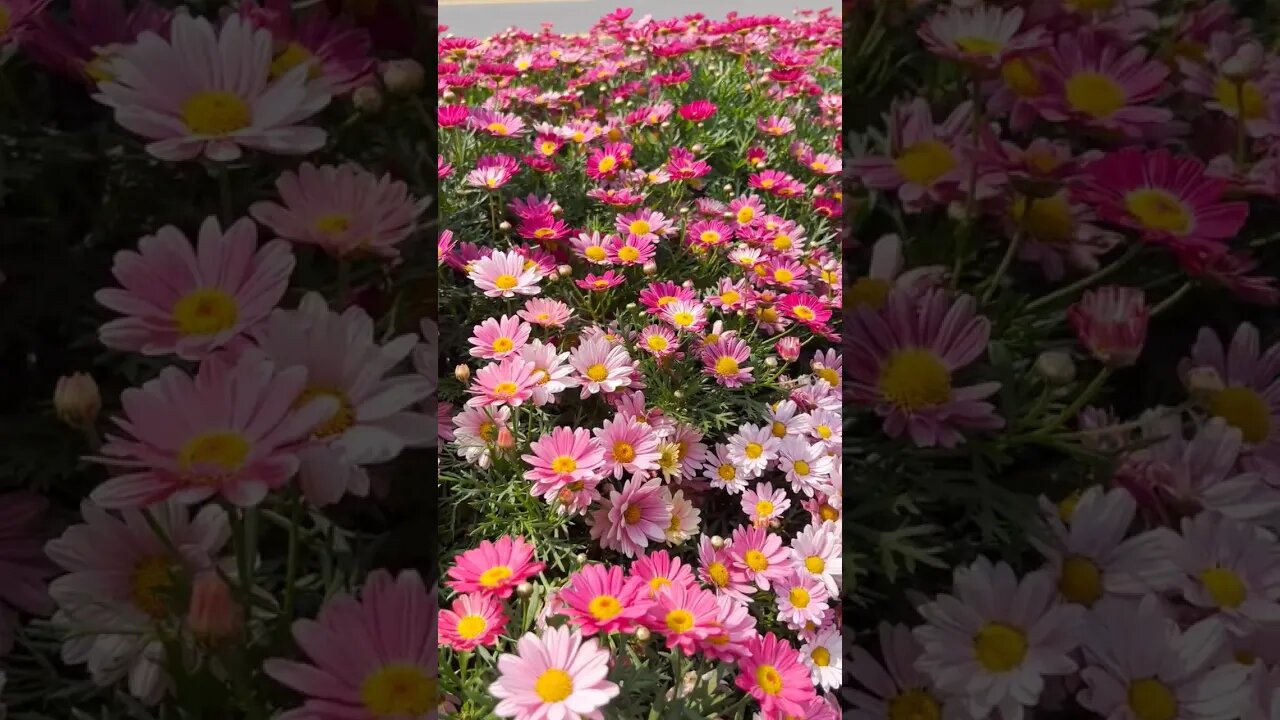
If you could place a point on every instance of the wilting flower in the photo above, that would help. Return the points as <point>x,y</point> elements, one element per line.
<point>1112,323</point>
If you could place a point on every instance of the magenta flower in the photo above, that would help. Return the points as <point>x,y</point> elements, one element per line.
<point>1112,323</point>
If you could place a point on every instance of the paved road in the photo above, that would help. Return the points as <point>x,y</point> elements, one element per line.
<point>479,18</point>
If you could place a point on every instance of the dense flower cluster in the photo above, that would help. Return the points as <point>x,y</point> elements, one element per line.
<point>640,255</point>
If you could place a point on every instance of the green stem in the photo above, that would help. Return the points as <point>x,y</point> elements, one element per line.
<point>1169,301</point>
<point>1104,272</point>
<point>244,582</point>
<point>993,283</point>
<point>291,562</point>
<point>1081,400</point>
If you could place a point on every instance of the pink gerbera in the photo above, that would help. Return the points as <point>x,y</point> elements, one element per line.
<point>1168,199</point>
<point>495,568</point>
<point>602,366</point>
<point>343,209</point>
<point>24,567</point>
<point>499,338</point>
<point>724,360</point>
<point>563,457</point>
<point>192,301</point>
<point>903,365</point>
<point>362,667</point>
<point>630,446</point>
<point>474,620</point>
<point>230,431</point>
<point>683,615</point>
<point>600,599</point>
<point>217,104</point>
<point>505,274</point>
<point>555,675</point>
<point>775,675</point>
<point>506,382</point>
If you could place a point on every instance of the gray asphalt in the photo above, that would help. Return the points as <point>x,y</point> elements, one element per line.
<point>573,16</point>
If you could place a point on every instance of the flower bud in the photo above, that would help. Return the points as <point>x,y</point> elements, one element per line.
<point>462,373</point>
<point>1203,383</point>
<point>771,361</point>
<point>650,267</point>
<point>698,147</point>
<point>642,634</point>
<point>678,394</point>
<point>1246,61</point>
<point>727,187</point>
<point>367,99</point>
<point>1112,323</point>
<point>404,76</point>
<point>506,440</point>
<point>1056,366</point>
<point>788,348</point>
<point>504,226</point>
<point>684,210</point>
<point>213,613</point>
<point>524,590</point>
<point>717,542</point>
<point>581,558</point>
<point>77,401</point>
<point>448,95</point>
<point>564,271</point>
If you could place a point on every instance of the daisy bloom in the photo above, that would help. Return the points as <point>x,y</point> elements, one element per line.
<point>600,599</point>
<point>1143,665</point>
<point>1168,199</point>
<point>497,124</point>
<point>492,172</point>
<point>775,676</point>
<point>981,36</point>
<point>546,313</point>
<point>896,685</point>
<point>563,457</point>
<point>24,568</point>
<point>231,430</point>
<point>996,638</point>
<point>752,448</point>
<point>636,515</point>
<point>474,620</point>
<point>505,274</point>
<point>551,369</point>
<point>683,615</point>
<point>723,360</point>
<point>600,283</point>
<point>765,504</point>
<point>815,553</point>
<point>495,568</point>
<point>476,430</point>
<point>716,570</point>
<point>825,658</point>
<point>602,366</point>
<point>659,570</point>
<point>1250,398</point>
<point>498,338</point>
<point>342,209</point>
<point>684,519</point>
<point>903,365</point>
<point>218,105</point>
<point>506,382</point>
<point>192,301</point>
<point>759,555</point>
<point>82,47</point>
<point>924,162</point>
<point>801,600</point>
<point>723,473</point>
<point>807,465</point>
<point>733,627</point>
<point>803,307</point>
<point>362,668</point>
<point>658,340</point>
<point>335,52</point>
<point>1231,568</point>
<point>687,315</point>
<point>553,675</point>
<point>122,582</point>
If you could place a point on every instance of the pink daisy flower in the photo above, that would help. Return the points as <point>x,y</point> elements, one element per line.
<point>658,295</point>
<point>752,448</point>
<point>1168,199</point>
<point>342,209</point>
<point>746,209</point>
<point>643,223</point>
<point>392,670</point>
<point>801,601</point>
<point>82,48</point>
<point>698,110</point>
<point>497,124</point>
<point>638,514</point>
<point>765,504</point>
<point>925,164</point>
<point>217,106</point>
<point>551,370</point>
<point>630,446</point>
<point>334,52</point>
<point>683,615</point>
<point>716,570</point>
<point>546,313</point>
<point>602,366</point>
<point>24,568</point>
<point>982,37</point>
<point>563,457</point>
<point>708,233</point>
<point>632,250</point>
<point>505,274</point>
<point>192,301</point>
<point>774,674</point>
<point>1250,398</point>
<point>231,431</point>
<point>1111,322</point>
<point>803,307</point>
<point>506,382</point>
<point>658,340</point>
<point>474,620</point>
<point>723,360</point>
<point>729,295</point>
<point>499,338</point>
<point>555,675</point>
<point>686,315</point>
<point>731,631</point>
<point>1229,568</point>
<point>600,599</point>
<point>495,568</point>
<point>492,172</point>
<point>592,247</point>
<point>895,682</point>
<point>600,283</point>
<point>759,555</point>
<point>903,366</point>
<point>659,570</point>
<point>775,125</point>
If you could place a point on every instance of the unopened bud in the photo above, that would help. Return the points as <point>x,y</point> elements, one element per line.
<point>448,95</point>
<point>564,271</point>
<point>504,226</point>
<point>788,348</point>
<point>404,76</point>
<point>650,267</point>
<point>1245,62</point>
<point>1203,383</point>
<point>213,613</point>
<point>727,187</point>
<point>698,147</point>
<point>771,361</point>
<point>462,373</point>
<point>580,558</point>
<point>524,590</point>
<point>77,401</point>
<point>506,440</point>
<point>642,634</point>
<point>684,209</point>
<point>717,542</point>
<point>556,209</point>
<point>678,394</point>
<point>367,99</point>
<point>1056,366</point>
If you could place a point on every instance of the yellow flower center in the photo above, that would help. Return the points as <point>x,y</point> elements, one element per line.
<point>1067,507</point>
<point>726,366</point>
<point>766,183</point>
<point>814,564</point>
<point>915,379</point>
<point>226,451</point>
<point>657,343</point>
<point>502,344</point>
<point>624,452</point>
<point>1158,210</point>
<point>924,162</point>
<point>799,597</point>
<point>804,312</point>
<point>1095,94</point>
<point>98,69</point>
<point>151,586</point>
<point>1000,648</point>
<point>824,431</point>
<point>207,311</point>
<point>1151,699</point>
<point>564,464</point>
<point>682,318</point>
<point>598,372</point>
<point>553,685</point>
<point>729,297</point>
<point>821,656</point>
<point>1224,586</point>
<point>769,679</point>
<point>679,621</point>
<point>505,389</point>
<point>627,253</point>
<point>783,275</point>
<point>753,450</point>
<point>1081,581</point>
<point>293,56</point>
<point>719,574</point>
<point>494,576</point>
<point>979,45</point>
<point>497,128</point>
<point>216,113</point>
<point>343,417</point>
<point>607,163</point>
<point>764,508</point>
<point>543,232</point>
<point>745,214</point>
<point>487,430</point>
<point>828,513</point>
<point>333,223</point>
<point>801,467</point>
<point>870,292</point>
<point>1255,103</point>
<point>1244,409</point>
<point>472,627</point>
<point>782,242</point>
<point>726,472</point>
<point>914,704</point>
<point>657,583</point>
<point>399,690</point>
<point>1049,219</point>
<point>1020,78</point>
<point>604,607</point>
<point>639,227</point>
<point>595,252</point>
<point>756,560</point>
<point>549,148</point>
<point>505,281</point>
<point>709,237</point>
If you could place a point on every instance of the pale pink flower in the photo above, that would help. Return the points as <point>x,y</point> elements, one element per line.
<point>630,446</point>
<point>505,274</point>
<point>506,382</point>
<point>638,514</point>
<point>561,458</point>
<point>498,338</point>
<point>546,313</point>
<point>555,675</point>
<point>602,366</point>
<point>765,504</point>
<point>725,361</point>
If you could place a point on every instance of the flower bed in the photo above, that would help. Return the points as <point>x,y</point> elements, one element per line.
<point>640,507</point>
<point>1062,362</point>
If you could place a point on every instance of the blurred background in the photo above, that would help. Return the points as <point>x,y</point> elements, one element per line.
<point>479,18</point>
